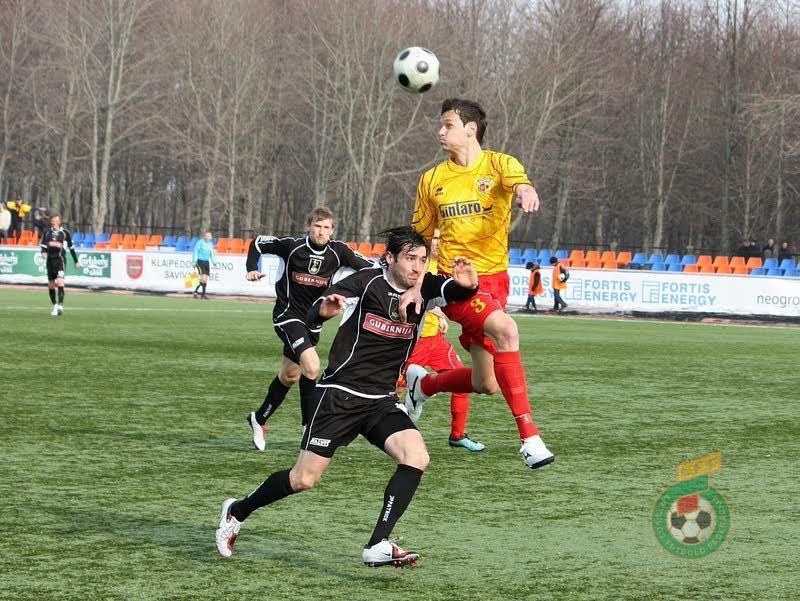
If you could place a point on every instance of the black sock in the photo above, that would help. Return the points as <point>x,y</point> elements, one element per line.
<point>274,488</point>
<point>196,290</point>
<point>275,395</point>
<point>52,292</point>
<point>204,289</point>
<point>61,295</point>
<point>307,389</point>
<point>399,491</point>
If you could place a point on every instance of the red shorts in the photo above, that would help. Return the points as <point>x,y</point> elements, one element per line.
<point>492,296</point>
<point>434,352</point>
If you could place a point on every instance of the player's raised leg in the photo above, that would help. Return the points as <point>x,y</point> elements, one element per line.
<point>287,377</point>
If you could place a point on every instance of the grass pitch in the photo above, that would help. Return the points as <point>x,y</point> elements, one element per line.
<point>122,429</point>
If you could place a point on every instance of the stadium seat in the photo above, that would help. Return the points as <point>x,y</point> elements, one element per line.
<point>579,263</point>
<point>77,238</point>
<point>724,269</point>
<point>624,258</point>
<point>562,254</point>
<point>88,240</point>
<point>672,260</point>
<point>787,264</point>
<point>114,241</point>
<point>155,240</point>
<point>182,244</point>
<point>594,264</point>
<point>704,260</point>
<point>720,261</point>
<point>754,262</point>
<point>773,271</point>
<point>609,265</point>
<point>530,255</point>
<point>658,267</point>
<point>771,263</point>
<point>104,237</point>
<point>691,268</point>
<point>655,258</point>
<point>514,255</point>
<point>222,246</point>
<point>168,241</point>
<point>593,255</point>
<point>237,246</point>
<point>739,270</point>
<point>352,245</point>
<point>757,271</point>
<point>674,267</point>
<point>707,268</point>
<point>737,262</point>
<point>378,249</point>
<point>791,273</point>
<point>544,256</point>
<point>365,248</point>
<point>140,244</point>
<point>246,245</point>
<point>128,241</point>
<point>639,260</point>
<point>34,241</point>
<point>576,255</point>
<point>608,256</point>
<point>689,260</point>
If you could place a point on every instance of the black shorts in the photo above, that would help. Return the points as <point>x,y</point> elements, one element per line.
<point>338,417</point>
<point>55,268</point>
<point>296,338</point>
<point>204,267</point>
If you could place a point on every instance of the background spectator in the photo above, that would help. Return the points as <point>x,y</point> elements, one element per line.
<point>769,249</point>
<point>784,252</point>
<point>41,221</point>
<point>18,211</point>
<point>5,223</point>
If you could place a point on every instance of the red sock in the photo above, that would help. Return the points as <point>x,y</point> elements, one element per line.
<point>453,380</point>
<point>510,377</point>
<point>459,410</point>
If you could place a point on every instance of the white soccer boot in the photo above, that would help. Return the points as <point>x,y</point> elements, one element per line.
<point>60,308</point>
<point>415,398</point>
<point>228,530</point>
<point>387,553</point>
<point>54,312</point>
<point>259,432</point>
<point>534,453</point>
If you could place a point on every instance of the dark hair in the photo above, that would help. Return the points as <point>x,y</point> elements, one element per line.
<point>528,265</point>
<point>320,214</point>
<point>402,238</point>
<point>52,215</point>
<point>469,112</point>
<point>553,260</point>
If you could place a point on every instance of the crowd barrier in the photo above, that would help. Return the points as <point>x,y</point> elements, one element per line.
<point>610,290</point>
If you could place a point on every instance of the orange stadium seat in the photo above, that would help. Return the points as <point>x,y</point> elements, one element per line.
<point>365,248</point>
<point>740,270</point>
<point>237,246</point>
<point>223,244</point>
<point>579,263</point>
<point>737,262</point>
<point>246,245</point>
<point>623,258</point>
<point>352,245</point>
<point>378,249</point>
<point>128,241</point>
<point>720,261</point>
<point>706,268</point>
<point>140,243</point>
<point>704,260</point>
<point>24,237</point>
<point>607,256</point>
<point>724,269</point>
<point>690,269</point>
<point>592,255</point>
<point>754,262</point>
<point>155,240</point>
<point>576,255</point>
<point>594,264</point>
<point>610,265</point>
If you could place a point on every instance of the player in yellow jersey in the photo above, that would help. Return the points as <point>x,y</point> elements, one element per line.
<point>469,199</point>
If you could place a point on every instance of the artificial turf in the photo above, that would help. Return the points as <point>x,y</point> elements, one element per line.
<point>122,428</point>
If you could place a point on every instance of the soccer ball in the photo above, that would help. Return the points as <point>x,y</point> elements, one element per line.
<point>692,527</point>
<point>416,69</point>
<point>562,277</point>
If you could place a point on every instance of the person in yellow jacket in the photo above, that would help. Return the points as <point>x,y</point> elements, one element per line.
<point>534,286</point>
<point>18,211</point>
<point>560,277</point>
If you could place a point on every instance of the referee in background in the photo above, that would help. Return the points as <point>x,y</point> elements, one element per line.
<point>202,255</point>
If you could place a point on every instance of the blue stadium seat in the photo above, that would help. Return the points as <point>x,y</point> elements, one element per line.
<point>544,256</point>
<point>562,253</point>
<point>638,260</point>
<point>689,260</point>
<point>675,267</point>
<point>181,244</point>
<point>530,255</point>
<point>104,237</point>
<point>514,255</point>
<point>757,271</point>
<point>88,240</point>
<point>168,241</point>
<point>77,238</point>
<point>771,263</point>
<point>774,271</point>
<point>790,273</point>
<point>787,264</point>
<point>655,258</point>
<point>672,260</point>
<point>658,267</point>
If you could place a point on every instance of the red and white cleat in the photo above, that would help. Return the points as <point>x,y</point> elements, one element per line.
<point>228,530</point>
<point>387,553</point>
<point>259,432</point>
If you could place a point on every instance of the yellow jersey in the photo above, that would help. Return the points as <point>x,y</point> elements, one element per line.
<point>430,327</point>
<point>471,206</point>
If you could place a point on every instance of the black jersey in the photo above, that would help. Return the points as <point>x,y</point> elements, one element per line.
<point>306,271</point>
<point>373,343</point>
<point>56,243</point>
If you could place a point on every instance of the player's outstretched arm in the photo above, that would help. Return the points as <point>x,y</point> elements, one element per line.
<point>331,305</point>
<point>526,197</point>
<point>464,273</point>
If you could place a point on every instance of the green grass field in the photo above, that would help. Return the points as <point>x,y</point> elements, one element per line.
<point>122,429</point>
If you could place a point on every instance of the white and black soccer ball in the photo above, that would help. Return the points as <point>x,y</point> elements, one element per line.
<point>693,527</point>
<point>562,277</point>
<point>416,69</point>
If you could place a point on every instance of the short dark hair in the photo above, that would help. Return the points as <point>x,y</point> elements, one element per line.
<point>469,112</point>
<point>553,260</point>
<point>320,214</point>
<point>403,238</point>
<point>528,265</point>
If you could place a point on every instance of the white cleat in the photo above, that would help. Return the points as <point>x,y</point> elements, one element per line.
<point>60,309</point>
<point>228,530</point>
<point>55,312</point>
<point>259,432</point>
<point>387,553</point>
<point>534,453</point>
<point>415,398</point>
